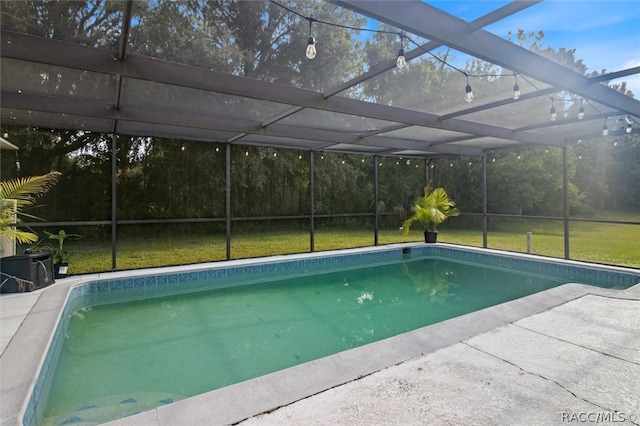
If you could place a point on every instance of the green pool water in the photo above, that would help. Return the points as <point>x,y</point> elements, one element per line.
<point>123,358</point>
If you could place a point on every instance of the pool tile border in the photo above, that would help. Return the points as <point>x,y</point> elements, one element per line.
<point>570,270</point>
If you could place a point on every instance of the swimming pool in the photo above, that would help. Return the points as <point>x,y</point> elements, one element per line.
<point>164,288</point>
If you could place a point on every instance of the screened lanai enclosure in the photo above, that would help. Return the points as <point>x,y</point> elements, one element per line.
<point>193,131</point>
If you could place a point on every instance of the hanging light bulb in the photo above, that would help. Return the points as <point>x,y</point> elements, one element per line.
<point>552,111</point>
<point>311,42</point>
<point>605,129</point>
<point>311,48</point>
<point>629,129</point>
<point>516,89</point>
<point>400,61</point>
<point>581,110</point>
<point>468,93</point>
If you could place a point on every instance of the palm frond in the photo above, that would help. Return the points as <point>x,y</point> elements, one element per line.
<point>27,190</point>
<point>18,193</point>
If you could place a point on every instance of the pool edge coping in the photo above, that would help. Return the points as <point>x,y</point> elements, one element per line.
<point>26,352</point>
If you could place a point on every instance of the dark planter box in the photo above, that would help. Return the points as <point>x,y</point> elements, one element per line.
<point>34,267</point>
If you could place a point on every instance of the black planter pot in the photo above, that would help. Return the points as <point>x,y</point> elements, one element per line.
<point>60,270</point>
<point>430,237</point>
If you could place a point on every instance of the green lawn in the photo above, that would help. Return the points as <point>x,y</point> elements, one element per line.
<point>602,243</point>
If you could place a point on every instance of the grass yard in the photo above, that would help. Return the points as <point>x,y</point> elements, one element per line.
<point>601,243</point>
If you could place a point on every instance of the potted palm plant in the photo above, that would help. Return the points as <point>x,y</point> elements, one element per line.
<point>60,263</point>
<point>431,210</point>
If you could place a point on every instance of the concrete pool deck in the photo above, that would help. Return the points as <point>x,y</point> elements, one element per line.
<point>568,354</point>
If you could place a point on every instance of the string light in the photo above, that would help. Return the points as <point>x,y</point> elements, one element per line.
<point>400,57</point>
<point>400,61</point>
<point>629,121</point>
<point>311,42</point>
<point>605,129</point>
<point>581,110</point>
<point>468,93</point>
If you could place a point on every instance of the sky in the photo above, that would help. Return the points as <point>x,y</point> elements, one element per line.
<point>605,33</point>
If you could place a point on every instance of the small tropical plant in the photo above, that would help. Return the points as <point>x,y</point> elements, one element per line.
<point>431,210</point>
<point>59,255</point>
<point>16,194</point>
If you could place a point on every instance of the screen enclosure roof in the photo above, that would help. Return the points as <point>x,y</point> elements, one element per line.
<point>133,68</point>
